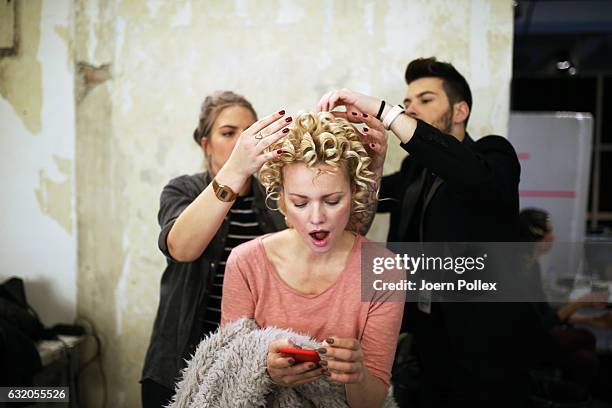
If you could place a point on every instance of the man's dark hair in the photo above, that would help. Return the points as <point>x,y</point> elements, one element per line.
<point>454,84</point>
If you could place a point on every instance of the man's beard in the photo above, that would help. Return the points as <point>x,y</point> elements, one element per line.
<point>445,123</point>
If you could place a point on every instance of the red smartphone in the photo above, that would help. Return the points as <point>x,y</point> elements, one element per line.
<point>301,355</point>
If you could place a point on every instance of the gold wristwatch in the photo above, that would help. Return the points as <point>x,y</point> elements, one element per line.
<point>223,193</point>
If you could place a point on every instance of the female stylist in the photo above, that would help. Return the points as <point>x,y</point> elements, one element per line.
<point>202,217</point>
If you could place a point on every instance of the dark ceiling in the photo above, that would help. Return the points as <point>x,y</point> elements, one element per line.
<point>562,37</point>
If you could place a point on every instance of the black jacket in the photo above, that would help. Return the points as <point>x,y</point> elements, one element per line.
<point>473,198</point>
<point>472,354</point>
<point>185,286</point>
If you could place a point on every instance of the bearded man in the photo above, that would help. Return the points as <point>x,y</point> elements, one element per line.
<point>451,188</point>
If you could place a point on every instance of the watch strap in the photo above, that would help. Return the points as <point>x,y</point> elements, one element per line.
<point>224,193</point>
<point>392,115</point>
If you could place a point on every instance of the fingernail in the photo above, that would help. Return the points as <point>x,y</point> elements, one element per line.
<point>329,340</point>
<point>289,119</point>
<point>354,113</point>
<point>365,129</point>
<point>323,362</point>
<point>312,366</point>
<point>321,350</point>
<point>281,112</point>
<point>286,130</point>
<point>365,115</point>
<point>279,151</point>
<point>372,145</point>
<point>291,362</point>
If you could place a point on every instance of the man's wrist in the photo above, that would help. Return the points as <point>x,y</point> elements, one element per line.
<point>390,116</point>
<point>386,110</point>
<point>404,127</point>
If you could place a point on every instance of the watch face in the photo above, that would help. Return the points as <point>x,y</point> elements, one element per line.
<point>223,194</point>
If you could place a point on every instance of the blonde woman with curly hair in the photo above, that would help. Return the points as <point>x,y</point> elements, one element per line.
<point>308,278</point>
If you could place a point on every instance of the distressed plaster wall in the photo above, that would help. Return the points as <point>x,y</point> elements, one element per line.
<point>134,129</point>
<point>37,136</point>
<point>141,69</point>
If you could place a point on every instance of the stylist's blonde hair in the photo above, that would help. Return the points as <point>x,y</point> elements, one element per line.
<point>321,138</point>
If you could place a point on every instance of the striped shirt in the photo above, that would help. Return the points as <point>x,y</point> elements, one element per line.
<point>243,227</point>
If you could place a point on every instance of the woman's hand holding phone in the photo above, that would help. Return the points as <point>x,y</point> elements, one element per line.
<point>343,359</point>
<point>283,368</point>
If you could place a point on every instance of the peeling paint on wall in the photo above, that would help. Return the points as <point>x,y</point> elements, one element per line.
<point>8,39</point>
<point>21,74</point>
<point>55,197</point>
<point>122,295</point>
<point>90,76</point>
<point>64,34</point>
<point>94,31</point>
<point>134,131</point>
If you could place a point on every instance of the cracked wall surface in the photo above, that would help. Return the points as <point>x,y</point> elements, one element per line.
<point>37,134</point>
<point>102,108</point>
<point>50,194</point>
<point>21,74</point>
<point>134,127</point>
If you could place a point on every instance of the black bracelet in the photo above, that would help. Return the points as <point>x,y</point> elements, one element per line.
<point>381,109</point>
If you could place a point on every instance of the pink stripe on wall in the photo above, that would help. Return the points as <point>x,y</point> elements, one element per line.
<point>547,193</point>
<point>523,155</point>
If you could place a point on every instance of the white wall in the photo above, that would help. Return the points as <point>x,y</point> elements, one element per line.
<point>37,136</point>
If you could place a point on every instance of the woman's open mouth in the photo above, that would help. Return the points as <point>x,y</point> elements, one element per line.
<point>319,238</point>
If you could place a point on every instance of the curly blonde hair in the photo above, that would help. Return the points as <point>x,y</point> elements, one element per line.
<point>321,138</point>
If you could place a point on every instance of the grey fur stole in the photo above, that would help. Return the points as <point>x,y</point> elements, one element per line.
<point>228,369</point>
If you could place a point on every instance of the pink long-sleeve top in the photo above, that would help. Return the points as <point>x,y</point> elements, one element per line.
<point>253,288</point>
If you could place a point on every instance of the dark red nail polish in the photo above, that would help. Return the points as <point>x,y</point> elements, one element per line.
<point>365,129</point>
<point>281,112</point>
<point>286,130</point>
<point>289,119</point>
<point>280,151</point>
<point>321,350</point>
<point>354,113</point>
<point>329,340</point>
<point>365,115</point>
<point>291,362</point>
<point>372,145</point>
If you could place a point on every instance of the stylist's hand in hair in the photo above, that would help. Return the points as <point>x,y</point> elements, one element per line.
<point>285,371</point>
<point>353,101</point>
<point>372,133</point>
<point>343,359</point>
<point>249,152</point>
